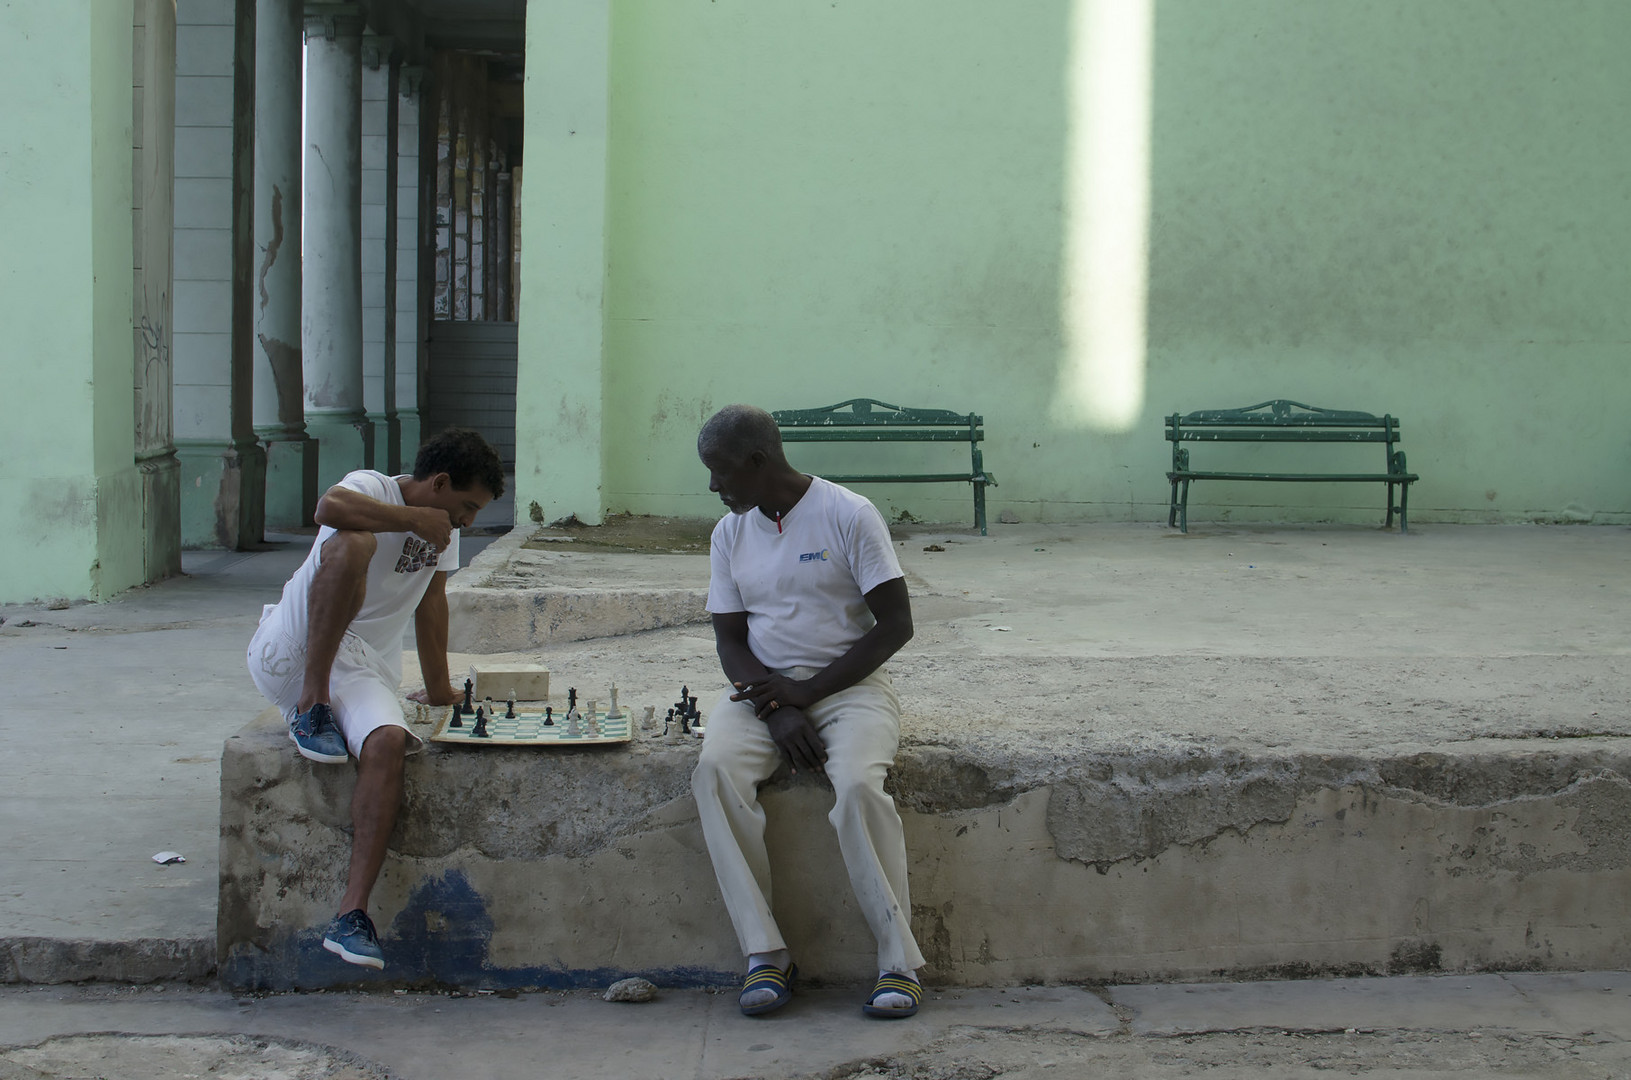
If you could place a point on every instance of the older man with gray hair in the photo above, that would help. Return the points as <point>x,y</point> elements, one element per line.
<point>808,602</point>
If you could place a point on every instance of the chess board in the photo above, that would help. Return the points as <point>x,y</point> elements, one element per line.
<point>527,728</point>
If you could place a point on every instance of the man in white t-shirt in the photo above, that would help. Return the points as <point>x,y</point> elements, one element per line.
<point>808,601</point>
<point>329,653</point>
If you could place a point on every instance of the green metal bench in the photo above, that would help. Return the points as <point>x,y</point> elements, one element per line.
<point>1283,421</point>
<point>866,420</point>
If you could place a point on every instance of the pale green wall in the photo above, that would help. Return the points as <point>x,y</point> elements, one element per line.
<point>69,490</point>
<point>1392,206</point>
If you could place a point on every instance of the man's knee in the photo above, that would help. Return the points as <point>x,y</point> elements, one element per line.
<point>349,546</point>
<point>385,745</point>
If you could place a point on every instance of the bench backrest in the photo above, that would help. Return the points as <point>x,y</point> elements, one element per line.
<point>867,419</point>
<point>1281,421</point>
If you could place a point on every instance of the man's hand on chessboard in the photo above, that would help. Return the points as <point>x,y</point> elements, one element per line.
<point>448,696</point>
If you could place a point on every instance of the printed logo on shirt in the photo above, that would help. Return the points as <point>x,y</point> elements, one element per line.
<point>416,555</point>
<point>815,556</point>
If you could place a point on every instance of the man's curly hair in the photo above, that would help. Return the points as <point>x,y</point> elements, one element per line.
<point>465,456</point>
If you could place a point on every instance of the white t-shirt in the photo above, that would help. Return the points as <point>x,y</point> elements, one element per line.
<point>398,576</point>
<point>803,588</point>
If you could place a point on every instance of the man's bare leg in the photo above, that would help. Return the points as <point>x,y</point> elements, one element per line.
<point>337,592</point>
<point>374,806</point>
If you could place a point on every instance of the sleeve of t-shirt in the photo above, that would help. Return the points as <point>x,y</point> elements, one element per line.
<point>723,595</point>
<point>447,560</point>
<point>371,484</point>
<point>872,553</point>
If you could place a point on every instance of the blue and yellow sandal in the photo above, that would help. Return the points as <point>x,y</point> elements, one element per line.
<point>891,983</point>
<point>769,977</point>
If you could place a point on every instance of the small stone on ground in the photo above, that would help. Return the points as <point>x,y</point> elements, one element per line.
<point>631,990</point>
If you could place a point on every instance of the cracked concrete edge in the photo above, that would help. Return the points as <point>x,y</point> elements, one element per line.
<point>51,961</point>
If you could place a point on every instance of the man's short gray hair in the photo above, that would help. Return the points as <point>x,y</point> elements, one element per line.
<point>736,431</point>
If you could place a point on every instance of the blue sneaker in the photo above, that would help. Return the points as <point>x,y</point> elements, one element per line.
<point>351,937</point>
<point>317,736</point>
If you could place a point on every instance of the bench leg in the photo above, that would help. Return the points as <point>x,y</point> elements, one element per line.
<point>1404,504</point>
<point>1172,506</point>
<point>1388,524</point>
<point>1183,510</point>
<point>979,505</point>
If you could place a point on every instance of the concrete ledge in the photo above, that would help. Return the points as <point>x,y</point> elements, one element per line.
<point>143,960</point>
<point>1032,864</point>
<point>513,597</point>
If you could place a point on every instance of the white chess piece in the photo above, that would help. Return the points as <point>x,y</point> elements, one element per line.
<point>615,712</point>
<point>650,719</point>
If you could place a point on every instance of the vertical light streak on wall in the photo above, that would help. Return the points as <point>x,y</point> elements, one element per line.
<point>1106,209</point>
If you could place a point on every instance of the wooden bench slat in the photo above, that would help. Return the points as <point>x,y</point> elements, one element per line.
<point>1273,435</point>
<point>827,434</point>
<point>1339,477</point>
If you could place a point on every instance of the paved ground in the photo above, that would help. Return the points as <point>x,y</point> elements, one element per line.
<point>119,712</point>
<point>1522,1025</point>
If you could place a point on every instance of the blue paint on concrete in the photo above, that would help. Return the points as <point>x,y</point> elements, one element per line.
<point>441,938</point>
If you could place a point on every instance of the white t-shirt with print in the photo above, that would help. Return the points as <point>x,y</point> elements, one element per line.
<point>803,587</point>
<point>398,576</point>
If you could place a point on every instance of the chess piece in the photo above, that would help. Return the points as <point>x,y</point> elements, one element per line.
<point>667,720</point>
<point>509,707</point>
<point>649,721</point>
<point>685,723</point>
<point>488,703</point>
<point>572,723</point>
<point>480,730</point>
<point>571,698</point>
<point>454,720</point>
<point>615,712</point>
<point>469,707</point>
<point>549,716</point>
<point>691,708</point>
<point>592,727</point>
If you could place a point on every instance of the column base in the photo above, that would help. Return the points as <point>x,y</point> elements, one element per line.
<point>387,442</point>
<point>345,443</point>
<point>223,494</point>
<point>407,421</point>
<point>291,481</point>
<point>161,516</point>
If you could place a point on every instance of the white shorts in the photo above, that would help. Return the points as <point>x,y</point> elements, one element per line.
<point>361,691</point>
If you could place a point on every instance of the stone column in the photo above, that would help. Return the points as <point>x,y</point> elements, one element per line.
<point>562,328</point>
<point>331,290</point>
<point>223,468</point>
<point>409,198</point>
<point>280,396</point>
<point>379,247</point>
<point>154,140</point>
<point>70,492</point>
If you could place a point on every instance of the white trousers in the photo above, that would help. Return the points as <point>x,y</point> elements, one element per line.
<point>860,728</point>
<point>362,692</point>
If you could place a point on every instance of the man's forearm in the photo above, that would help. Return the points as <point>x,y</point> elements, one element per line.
<point>869,653</point>
<point>430,638</point>
<point>342,508</point>
<point>739,663</point>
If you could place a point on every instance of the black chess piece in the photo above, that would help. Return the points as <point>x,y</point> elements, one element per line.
<point>469,706</point>
<point>571,698</point>
<point>685,723</point>
<point>480,730</point>
<point>509,709</point>
<point>549,716</point>
<point>669,719</point>
<point>455,721</point>
<point>691,708</point>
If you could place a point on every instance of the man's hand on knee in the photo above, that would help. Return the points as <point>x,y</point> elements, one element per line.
<point>797,738</point>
